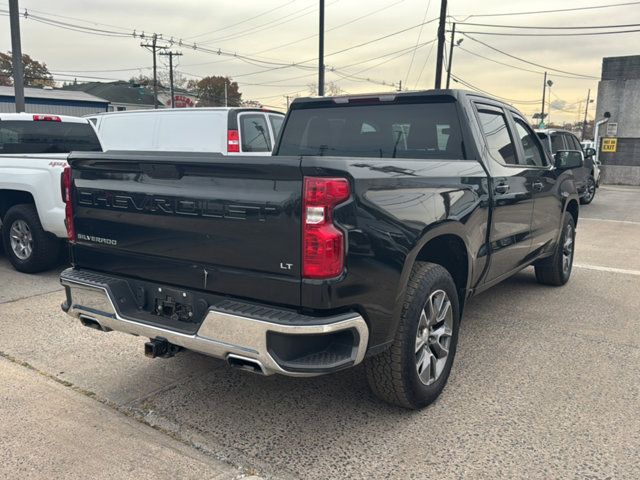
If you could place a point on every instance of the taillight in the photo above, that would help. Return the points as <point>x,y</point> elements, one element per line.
<point>46,118</point>
<point>322,243</point>
<point>233,141</point>
<point>68,208</point>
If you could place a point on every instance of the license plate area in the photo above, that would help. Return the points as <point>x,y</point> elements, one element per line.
<point>172,304</point>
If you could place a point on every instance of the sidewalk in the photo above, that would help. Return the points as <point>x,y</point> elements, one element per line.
<point>49,431</point>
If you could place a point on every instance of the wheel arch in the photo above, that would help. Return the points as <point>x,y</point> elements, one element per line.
<point>444,245</point>
<point>573,209</point>
<point>10,198</point>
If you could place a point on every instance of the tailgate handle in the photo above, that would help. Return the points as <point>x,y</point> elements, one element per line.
<point>161,170</point>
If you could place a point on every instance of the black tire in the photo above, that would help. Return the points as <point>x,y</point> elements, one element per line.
<point>590,191</point>
<point>393,374</point>
<point>45,251</point>
<point>552,270</point>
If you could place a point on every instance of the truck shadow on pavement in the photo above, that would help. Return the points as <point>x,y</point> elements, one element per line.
<point>526,354</point>
<point>322,427</point>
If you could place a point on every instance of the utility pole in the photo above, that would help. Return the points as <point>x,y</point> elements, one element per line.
<point>154,46</point>
<point>441,40</point>
<point>171,55</point>
<point>550,83</point>
<point>453,36</point>
<point>544,91</point>
<point>400,86</point>
<point>586,109</point>
<point>321,52</point>
<point>16,53</point>
<point>226,100</point>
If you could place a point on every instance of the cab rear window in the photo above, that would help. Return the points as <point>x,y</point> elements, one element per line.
<point>384,130</point>
<point>19,137</point>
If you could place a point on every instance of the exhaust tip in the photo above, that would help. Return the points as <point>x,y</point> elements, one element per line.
<point>93,323</point>
<point>246,364</point>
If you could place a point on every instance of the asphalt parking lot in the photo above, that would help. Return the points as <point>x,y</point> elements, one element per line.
<point>545,385</point>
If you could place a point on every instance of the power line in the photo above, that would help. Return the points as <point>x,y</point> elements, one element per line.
<point>538,72</point>
<point>527,61</point>
<point>308,10</point>
<point>533,27</point>
<point>576,34</point>
<point>424,65</point>
<point>536,12</point>
<point>413,56</point>
<point>329,29</point>
<point>384,37</point>
<point>477,89</point>
<point>261,14</point>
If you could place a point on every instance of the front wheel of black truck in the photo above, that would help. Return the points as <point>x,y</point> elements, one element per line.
<point>556,270</point>
<point>414,370</point>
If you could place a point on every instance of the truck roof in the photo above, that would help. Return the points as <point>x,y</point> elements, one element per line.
<point>391,96</point>
<point>29,117</point>
<point>177,111</point>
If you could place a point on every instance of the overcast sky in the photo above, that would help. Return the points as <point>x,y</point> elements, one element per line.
<point>285,32</point>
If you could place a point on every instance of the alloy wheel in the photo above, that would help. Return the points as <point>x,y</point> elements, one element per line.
<point>567,249</point>
<point>591,190</point>
<point>21,239</point>
<point>433,337</point>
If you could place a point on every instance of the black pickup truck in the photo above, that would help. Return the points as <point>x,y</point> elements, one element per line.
<point>360,239</point>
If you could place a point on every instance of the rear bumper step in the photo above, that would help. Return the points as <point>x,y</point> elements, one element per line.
<point>277,340</point>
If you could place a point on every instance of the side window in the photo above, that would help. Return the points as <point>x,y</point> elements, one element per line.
<point>494,126</point>
<point>254,133</point>
<point>557,143</point>
<point>276,124</point>
<point>572,143</point>
<point>533,154</point>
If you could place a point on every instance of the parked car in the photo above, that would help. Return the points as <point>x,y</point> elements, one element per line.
<point>361,239</point>
<point>230,131</point>
<point>33,154</point>
<point>587,175</point>
<point>589,149</point>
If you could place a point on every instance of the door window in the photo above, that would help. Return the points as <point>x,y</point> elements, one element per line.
<point>276,124</point>
<point>533,154</point>
<point>499,142</point>
<point>254,133</point>
<point>556,142</point>
<point>572,142</point>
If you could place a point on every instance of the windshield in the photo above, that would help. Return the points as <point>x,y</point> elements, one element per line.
<point>18,137</point>
<point>385,130</point>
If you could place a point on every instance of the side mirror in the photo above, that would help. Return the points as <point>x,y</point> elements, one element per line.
<point>568,159</point>
<point>589,152</point>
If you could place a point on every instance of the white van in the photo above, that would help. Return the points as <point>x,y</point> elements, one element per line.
<point>226,130</point>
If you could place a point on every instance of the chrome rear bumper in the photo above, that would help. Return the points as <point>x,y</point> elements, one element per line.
<point>225,331</point>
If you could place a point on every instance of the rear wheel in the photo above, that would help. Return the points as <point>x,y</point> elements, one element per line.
<point>590,191</point>
<point>414,370</point>
<point>28,247</point>
<point>556,270</point>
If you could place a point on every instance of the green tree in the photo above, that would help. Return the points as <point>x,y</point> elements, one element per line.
<point>210,92</point>
<point>36,74</point>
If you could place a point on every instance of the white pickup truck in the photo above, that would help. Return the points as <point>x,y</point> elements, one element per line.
<point>33,154</point>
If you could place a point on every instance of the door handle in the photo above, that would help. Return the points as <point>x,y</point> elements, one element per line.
<point>537,185</point>
<point>502,188</point>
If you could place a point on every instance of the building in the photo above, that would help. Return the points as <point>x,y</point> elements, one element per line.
<point>53,101</point>
<point>132,96</point>
<point>122,95</point>
<point>181,98</point>
<point>619,139</point>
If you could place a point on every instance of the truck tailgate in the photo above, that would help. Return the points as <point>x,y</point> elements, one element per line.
<point>197,220</point>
